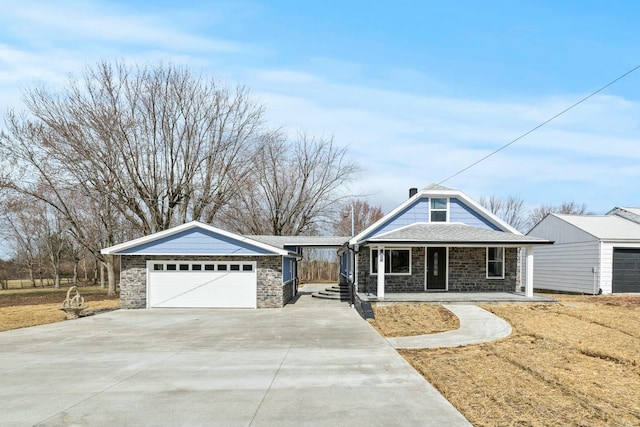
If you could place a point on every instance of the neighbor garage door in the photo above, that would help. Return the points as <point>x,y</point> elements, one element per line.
<point>626,270</point>
<point>201,284</point>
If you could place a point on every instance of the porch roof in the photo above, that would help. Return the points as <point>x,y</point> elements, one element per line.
<point>302,241</point>
<point>454,233</point>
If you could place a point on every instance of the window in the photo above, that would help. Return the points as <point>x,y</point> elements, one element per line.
<point>438,212</point>
<point>396,261</point>
<point>495,263</point>
<point>170,266</point>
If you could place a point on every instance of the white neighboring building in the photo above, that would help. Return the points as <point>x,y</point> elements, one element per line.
<point>592,253</point>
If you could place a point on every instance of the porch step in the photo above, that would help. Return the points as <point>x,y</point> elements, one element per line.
<point>336,292</point>
<point>337,289</point>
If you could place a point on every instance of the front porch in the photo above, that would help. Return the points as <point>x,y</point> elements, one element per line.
<point>430,272</point>
<point>454,298</point>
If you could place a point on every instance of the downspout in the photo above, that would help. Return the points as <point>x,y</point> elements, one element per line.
<point>350,275</point>
<point>599,272</point>
<point>351,279</point>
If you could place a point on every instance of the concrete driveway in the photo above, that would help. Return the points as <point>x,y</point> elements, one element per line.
<point>314,362</point>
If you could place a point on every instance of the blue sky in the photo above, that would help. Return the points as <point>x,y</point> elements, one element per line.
<point>417,90</point>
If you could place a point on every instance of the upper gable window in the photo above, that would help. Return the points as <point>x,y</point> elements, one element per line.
<point>438,211</point>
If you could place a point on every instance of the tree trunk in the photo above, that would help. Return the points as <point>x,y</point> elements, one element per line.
<point>32,277</point>
<point>84,267</point>
<point>56,280</point>
<point>102,275</point>
<point>75,273</point>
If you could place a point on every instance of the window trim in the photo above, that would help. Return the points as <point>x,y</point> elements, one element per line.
<point>445,210</point>
<point>495,261</point>
<point>389,249</point>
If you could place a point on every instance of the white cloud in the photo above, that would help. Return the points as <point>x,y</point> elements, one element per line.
<point>403,137</point>
<point>90,22</point>
<point>406,140</point>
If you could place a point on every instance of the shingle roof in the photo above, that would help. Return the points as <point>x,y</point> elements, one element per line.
<point>437,187</point>
<point>307,241</point>
<point>453,233</point>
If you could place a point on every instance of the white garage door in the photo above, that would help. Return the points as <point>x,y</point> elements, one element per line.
<point>201,284</point>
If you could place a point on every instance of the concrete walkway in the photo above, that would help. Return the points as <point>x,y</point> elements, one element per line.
<point>313,363</point>
<point>457,298</point>
<point>476,326</point>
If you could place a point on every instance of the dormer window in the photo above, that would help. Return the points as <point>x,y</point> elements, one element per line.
<point>438,211</point>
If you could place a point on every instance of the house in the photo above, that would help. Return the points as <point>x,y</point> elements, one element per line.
<point>197,265</point>
<point>438,240</point>
<point>591,254</point>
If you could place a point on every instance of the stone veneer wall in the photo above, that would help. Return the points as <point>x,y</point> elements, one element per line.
<point>467,272</point>
<point>407,283</point>
<point>271,292</point>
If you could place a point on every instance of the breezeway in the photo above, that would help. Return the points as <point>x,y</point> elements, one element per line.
<point>313,362</point>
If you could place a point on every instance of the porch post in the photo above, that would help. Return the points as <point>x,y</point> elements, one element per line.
<point>380,291</point>
<point>528,289</point>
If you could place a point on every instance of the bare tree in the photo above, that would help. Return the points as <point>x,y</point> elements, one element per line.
<point>22,228</point>
<point>509,209</point>
<point>363,216</point>
<point>76,253</point>
<point>294,187</point>
<point>570,208</point>
<point>54,241</point>
<point>148,147</point>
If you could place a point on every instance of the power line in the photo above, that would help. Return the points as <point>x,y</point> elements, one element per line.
<point>543,123</point>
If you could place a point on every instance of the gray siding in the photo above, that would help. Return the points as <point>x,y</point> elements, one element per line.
<point>566,267</point>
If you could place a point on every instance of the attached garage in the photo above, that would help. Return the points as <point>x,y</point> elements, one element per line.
<point>197,265</point>
<point>201,284</point>
<point>626,270</point>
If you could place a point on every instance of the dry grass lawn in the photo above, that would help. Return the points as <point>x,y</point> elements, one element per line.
<point>32,315</point>
<point>32,307</point>
<point>400,320</point>
<point>572,364</point>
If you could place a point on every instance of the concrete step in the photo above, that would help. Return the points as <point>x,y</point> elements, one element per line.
<point>335,292</point>
<point>327,295</point>
<point>336,289</point>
